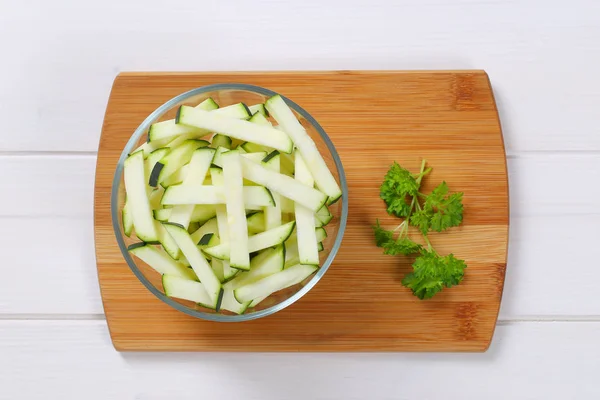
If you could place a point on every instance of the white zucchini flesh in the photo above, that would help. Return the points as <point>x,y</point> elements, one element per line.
<point>167,242</point>
<point>176,159</point>
<point>209,226</point>
<point>137,197</point>
<point>155,196</point>
<point>273,213</point>
<point>284,185</point>
<point>199,264</point>
<point>221,212</point>
<point>256,156</point>
<point>254,196</point>
<point>256,242</point>
<point>126,219</point>
<point>166,130</point>
<point>185,289</point>
<point>198,167</point>
<point>169,128</point>
<point>235,128</point>
<point>239,256</point>
<point>305,219</point>
<point>273,283</point>
<point>155,157</point>
<point>258,108</point>
<point>201,213</point>
<point>324,215</point>
<point>231,304</point>
<point>160,261</point>
<point>289,123</point>
<point>256,301</point>
<point>255,222</point>
<point>267,262</point>
<point>178,177</point>
<point>217,267</point>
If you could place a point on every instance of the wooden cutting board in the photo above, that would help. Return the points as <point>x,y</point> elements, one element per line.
<point>373,118</point>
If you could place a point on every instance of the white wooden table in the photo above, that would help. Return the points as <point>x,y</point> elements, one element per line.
<point>57,62</point>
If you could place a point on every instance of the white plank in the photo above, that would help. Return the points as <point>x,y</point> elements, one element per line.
<point>554,184</point>
<point>36,186</point>
<point>49,266</point>
<point>553,237</point>
<point>540,56</point>
<point>75,360</point>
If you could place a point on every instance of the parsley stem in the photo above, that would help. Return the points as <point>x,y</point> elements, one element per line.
<point>429,246</point>
<point>399,226</point>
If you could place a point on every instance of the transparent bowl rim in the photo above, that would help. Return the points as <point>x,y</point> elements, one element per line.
<point>116,217</point>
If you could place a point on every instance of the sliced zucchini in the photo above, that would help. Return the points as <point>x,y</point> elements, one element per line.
<point>193,227</point>
<point>148,147</point>
<point>239,257</point>
<point>255,222</point>
<point>254,148</point>
<point>291,253</point>
<point>287,164</point>
<point>266,263</point>
<point>324,215</point>
<point>160,261</point>
<point>199,264</point>
<point>168,129</point>
<point>260,109</point>
<point>273,213</point>
<point>256,156</point>
<point>287,206</point>
<point>186,289</point>
<point>155,157</point>
<point>320,246</point>
<point>217,267</point>
<point>209,226</point>
<point>254,196</point>
<point>176,178</point>
<point>273,283</point>
<point>198,167</point>
<point>284,185</point>
<point>230,303</point>
<point>167,242</point>
<point>256,301</point>
<point>201,213</point>
<point>260,119</point>
<point>216,175</point>
<point>126,219</point>
<point>208,240</point>
<point>137,197</point>
<point>221,141</point>
<point>305,218</point>
<point>238,129</point>
<point>176,158</point>
<point>257,242</point>
<point>155,196</point>
<point>321,234</point>
<point>287,120</point>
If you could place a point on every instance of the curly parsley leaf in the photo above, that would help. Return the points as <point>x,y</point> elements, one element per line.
<point>401,245</point>
<point>382,236</point>
<point>432,272</point>
<point>440,211</point>
<point>398,185</point>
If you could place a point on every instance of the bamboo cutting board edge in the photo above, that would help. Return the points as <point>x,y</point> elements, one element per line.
<point>249,77</point>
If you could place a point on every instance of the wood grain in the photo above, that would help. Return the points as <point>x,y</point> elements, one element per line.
<point>373,118</point>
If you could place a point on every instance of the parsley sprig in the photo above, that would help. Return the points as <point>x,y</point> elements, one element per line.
<point>436,211</point>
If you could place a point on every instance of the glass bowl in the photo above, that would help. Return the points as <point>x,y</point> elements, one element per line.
<point>227,94</point>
